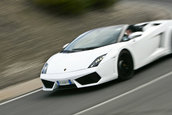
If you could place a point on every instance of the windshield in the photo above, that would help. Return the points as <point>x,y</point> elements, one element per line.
<point>95,38</point>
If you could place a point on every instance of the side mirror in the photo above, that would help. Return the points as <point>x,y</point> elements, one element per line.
<point>135,35</point>
<point>65,45</point>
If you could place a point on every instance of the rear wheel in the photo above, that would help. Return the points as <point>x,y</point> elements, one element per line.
<point>125,66</point>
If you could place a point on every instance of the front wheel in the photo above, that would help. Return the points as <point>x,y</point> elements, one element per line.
<point>125,66</point>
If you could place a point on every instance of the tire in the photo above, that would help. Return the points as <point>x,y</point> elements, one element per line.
<point>125,66</point>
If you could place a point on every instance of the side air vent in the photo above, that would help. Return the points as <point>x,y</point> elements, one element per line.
<point>171,41</point>
<point>156,24</point>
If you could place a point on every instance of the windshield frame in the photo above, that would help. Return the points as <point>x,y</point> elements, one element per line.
<point>123,28</point>
<point>122,33</point>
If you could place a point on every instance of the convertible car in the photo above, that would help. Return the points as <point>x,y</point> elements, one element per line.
<point>104,54</point>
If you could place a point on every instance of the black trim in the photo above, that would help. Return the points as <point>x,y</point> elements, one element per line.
<point>67,87</point>
<point>88,79</point>
<point>47,84</point>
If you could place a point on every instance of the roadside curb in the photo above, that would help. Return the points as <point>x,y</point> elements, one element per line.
<point>19,89</point>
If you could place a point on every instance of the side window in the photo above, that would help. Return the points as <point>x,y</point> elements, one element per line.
<point>125,38</point>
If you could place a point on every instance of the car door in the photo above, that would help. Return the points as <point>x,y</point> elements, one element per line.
<point>144,47</point>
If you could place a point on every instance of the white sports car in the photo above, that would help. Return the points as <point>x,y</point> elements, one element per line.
<point>104,54</point>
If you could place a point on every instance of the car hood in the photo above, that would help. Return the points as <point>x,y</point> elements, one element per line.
<point>68,62</point>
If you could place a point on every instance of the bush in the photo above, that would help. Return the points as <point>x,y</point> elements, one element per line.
<point>63,6</point>
<point>102,3</point>
<point>73,6</point>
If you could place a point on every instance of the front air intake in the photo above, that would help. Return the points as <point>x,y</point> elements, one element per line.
<point>88,79</point>
<point>47,84</point>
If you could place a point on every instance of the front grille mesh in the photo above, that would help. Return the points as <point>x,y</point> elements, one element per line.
<point>88,79</point>
<point>48,84</point>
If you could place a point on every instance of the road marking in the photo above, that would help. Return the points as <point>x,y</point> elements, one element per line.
<point>19,97</point>
<point>100,104</point>
<point>124,94</point>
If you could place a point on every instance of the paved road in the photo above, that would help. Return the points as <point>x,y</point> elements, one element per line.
<point>154,99</point>
<point>151,100</point>
<point>72,101</point>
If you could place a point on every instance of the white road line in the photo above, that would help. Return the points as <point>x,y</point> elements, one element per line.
<point>124,94</point>
<point>27,94</point>
<point>100,104</point>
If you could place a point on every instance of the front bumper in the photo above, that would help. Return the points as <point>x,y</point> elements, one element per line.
<point>81,78</point>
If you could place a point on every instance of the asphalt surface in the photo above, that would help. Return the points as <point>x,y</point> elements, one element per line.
<point>147,100</point>
<point>154,99</point>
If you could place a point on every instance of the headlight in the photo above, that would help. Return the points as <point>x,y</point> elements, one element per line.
<point>44,69</point>
<point>97,61</point>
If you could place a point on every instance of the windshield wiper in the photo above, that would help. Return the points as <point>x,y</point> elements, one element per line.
<point>67,51</point>
<point>78,49</point>
<point>82,49</point>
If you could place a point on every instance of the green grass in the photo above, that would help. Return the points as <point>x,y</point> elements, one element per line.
<point>74,6</point>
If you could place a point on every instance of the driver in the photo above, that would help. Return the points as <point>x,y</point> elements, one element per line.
<point>130,30</point>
